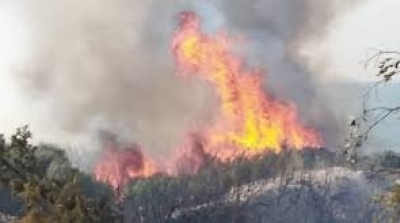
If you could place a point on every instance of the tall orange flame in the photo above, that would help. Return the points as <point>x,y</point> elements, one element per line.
<point>251,121</point>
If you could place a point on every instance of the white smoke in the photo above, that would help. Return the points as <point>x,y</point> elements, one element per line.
<point>110,61</point>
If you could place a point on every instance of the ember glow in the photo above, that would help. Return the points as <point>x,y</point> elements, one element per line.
<point>251,122</point>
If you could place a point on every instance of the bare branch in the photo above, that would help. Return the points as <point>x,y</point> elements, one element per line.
<point>387,64</point>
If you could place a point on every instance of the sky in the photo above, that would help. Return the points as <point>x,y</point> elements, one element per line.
<point>354,36</point>
<point>14,50</point>
<point>350,40</point>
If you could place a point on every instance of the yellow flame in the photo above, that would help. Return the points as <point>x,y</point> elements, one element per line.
<point>250,119</point>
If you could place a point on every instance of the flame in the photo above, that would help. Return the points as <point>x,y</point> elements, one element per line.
<point>251,121</point>
<point>117,166</point>
<point>189,158</point>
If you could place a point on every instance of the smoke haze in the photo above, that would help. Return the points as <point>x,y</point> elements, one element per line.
<point>106,64</point>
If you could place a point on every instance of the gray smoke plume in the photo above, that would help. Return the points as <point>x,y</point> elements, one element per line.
<point>110,61</point>
<point>277,30</point>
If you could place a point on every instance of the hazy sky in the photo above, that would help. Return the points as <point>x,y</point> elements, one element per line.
<point>14,50</point>
<point>371,25</point>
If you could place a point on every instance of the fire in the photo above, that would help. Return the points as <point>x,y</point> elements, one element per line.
<point>189,158</point>
<point>251,121</point>
<point>118,165</point>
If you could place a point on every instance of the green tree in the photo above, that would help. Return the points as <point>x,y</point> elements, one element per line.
<point>48,186</point>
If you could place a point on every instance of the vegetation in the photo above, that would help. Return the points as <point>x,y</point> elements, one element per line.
<point>387,66</point>
<point>49,188</point>
<point>46,188</point>
<point>155,198</point>
<point>43,186</point>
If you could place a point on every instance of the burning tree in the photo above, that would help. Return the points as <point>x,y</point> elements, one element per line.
<point>119,163</point>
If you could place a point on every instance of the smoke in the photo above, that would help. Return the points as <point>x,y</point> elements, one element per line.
<point>107,64</point>
<point>110,61</point>
<point>277,31</point>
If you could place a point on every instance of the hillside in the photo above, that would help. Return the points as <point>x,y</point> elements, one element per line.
<point>310,185</point>
<point>330,195</point>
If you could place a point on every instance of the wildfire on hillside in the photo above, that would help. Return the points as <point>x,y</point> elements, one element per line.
<point>250,121</point>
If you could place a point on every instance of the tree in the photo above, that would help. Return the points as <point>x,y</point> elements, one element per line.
<point>387,66</point>
<point>48,186</point>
